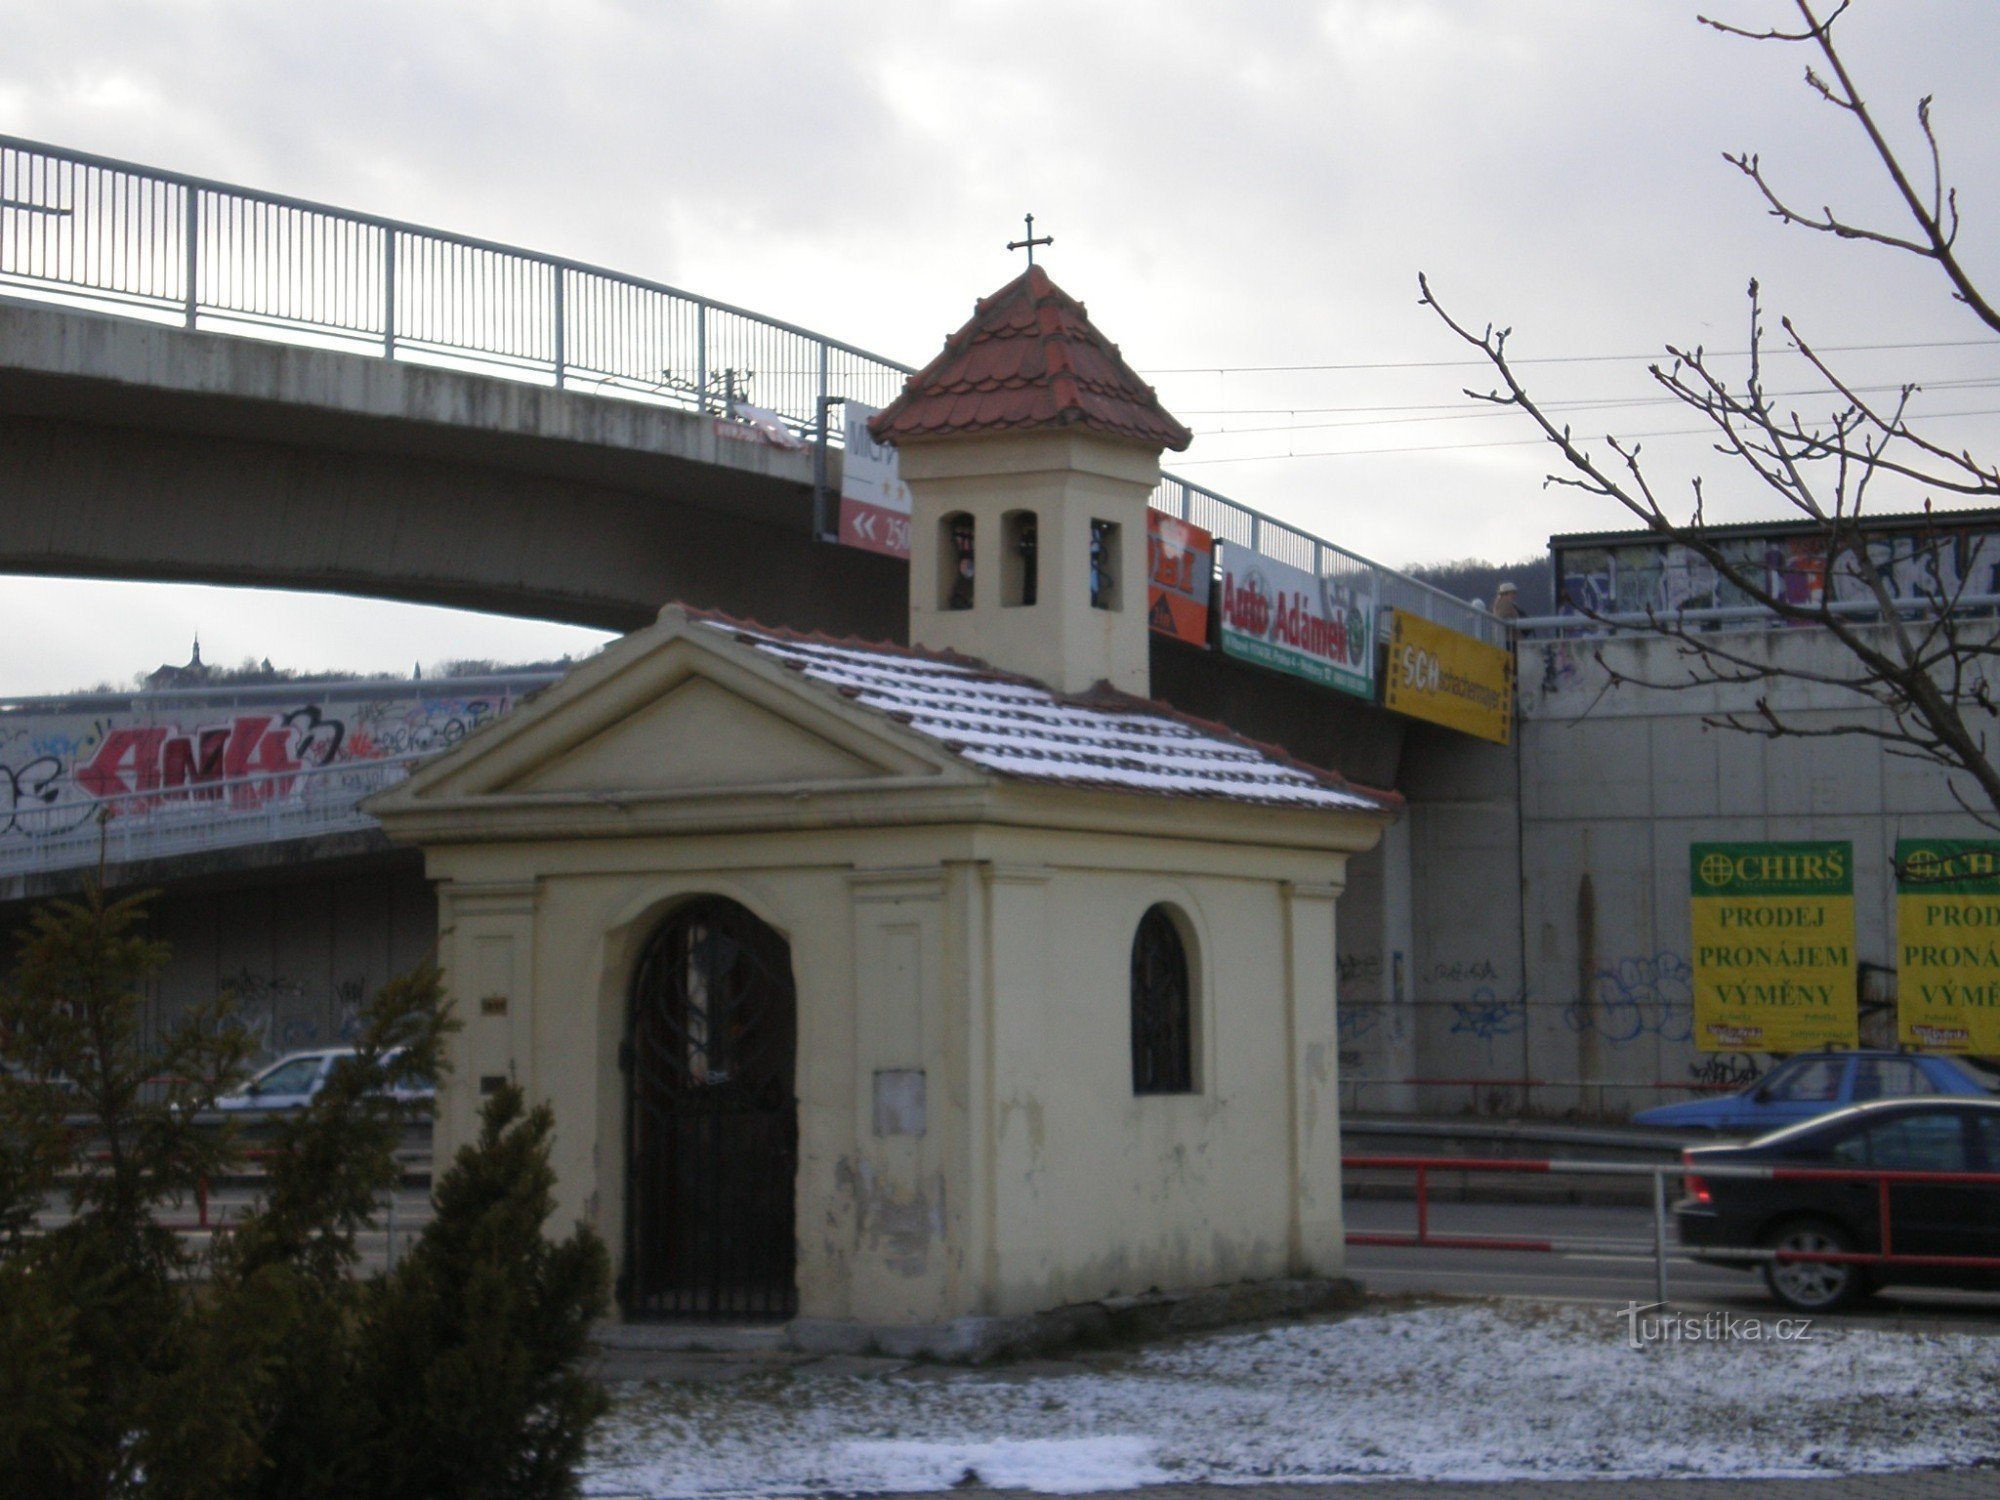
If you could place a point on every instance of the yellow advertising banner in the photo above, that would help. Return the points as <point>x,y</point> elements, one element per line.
<point>1449,679</point>
<point>1774,966</point>
<point>1948,945</point>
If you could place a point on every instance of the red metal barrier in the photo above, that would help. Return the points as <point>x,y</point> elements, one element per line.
<point>1884,1178</point>
<point>1423,1166</point>
<point>201,1190</point>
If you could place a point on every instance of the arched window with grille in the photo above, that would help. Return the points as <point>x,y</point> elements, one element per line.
<point>1162,1007</point>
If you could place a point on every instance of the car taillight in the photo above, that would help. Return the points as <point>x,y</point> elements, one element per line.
<point>1696,1188</point>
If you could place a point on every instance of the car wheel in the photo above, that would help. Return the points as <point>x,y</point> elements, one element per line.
<point>1813,1286</point>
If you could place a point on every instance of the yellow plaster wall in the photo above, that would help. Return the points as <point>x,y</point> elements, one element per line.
<point>1066,479</point>
<point>881,1237</point>
<point>1098,1191</point>
<point>1040,1178</point>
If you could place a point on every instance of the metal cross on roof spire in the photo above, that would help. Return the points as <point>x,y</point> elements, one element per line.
<point>1030,242</point>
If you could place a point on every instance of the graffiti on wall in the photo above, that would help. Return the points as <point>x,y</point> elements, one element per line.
<point>1358,1022</point>
<point>1927,561</point>
<point>281,1014</point>
<point>1462,971</point>
<point>1488,1016</point>
<point>1638,997</point>
<point>1724,1070</point>
<point>59,770</point>
<point>1357,967</point>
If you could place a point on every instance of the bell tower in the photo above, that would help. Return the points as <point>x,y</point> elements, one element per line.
<point>1030,449</point>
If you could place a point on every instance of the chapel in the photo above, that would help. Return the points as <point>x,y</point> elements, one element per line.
<point>898,989</point>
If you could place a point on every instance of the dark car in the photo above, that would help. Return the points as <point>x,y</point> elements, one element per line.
<point>1722,1217</point>
<point>1816,1083</point>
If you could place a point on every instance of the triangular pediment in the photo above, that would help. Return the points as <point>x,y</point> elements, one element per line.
<point>677,710</point>
<point>700,736</point>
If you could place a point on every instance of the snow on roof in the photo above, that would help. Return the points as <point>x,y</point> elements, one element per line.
<point>1022,729</point>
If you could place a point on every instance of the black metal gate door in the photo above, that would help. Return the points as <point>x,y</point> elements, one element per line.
<point>712,1151</point>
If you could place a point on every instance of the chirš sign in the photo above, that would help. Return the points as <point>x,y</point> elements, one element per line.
<point>1774,965</point>
<point>1278,616</point>
<point>1948,945</point>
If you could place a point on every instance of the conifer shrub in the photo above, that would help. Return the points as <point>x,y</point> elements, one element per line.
<point>267,1365</point>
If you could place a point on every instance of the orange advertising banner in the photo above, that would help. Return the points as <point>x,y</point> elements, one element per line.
<point>1180,569</point>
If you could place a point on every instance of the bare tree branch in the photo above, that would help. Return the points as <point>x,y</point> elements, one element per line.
<point>1934,215</point>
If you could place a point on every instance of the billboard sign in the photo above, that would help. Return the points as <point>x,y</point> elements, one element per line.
<point>1774,965</point>
<point>1284,618</point>
<point>874,501</point>
<point>1448,678</point>
<point>1180,571</point>
<point>1948,945</point>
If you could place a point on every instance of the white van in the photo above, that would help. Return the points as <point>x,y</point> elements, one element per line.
<point>291,1082</point>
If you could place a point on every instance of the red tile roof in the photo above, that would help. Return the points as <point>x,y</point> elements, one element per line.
<point>1029,359</point>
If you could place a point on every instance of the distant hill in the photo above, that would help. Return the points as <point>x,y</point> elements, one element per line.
<point>1472,578</point>
<point>251,672</point>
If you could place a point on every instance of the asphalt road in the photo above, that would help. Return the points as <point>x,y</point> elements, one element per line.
<point>1604,1254</point>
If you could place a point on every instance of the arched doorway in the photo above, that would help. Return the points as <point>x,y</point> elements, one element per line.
<point>712,1135</point>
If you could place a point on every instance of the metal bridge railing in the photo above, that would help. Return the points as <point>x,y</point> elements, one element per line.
<point>93,231</point>
<point>1235,524</point>
<point>209,254</point>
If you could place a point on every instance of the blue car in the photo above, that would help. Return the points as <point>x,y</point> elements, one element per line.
<point>1814,1083</point>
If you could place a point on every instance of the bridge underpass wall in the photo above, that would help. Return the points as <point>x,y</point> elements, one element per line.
<point>1618,782</point>
<point>1432,988</point>
<point>300,949</point>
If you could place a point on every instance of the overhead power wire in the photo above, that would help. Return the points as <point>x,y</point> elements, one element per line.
<point>1458,412</point>
<point>1553,359</point>
<point>1258,458</point>
<point>1578,403</point>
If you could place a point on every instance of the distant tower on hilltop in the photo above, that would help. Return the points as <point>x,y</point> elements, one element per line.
<point>195,674</point>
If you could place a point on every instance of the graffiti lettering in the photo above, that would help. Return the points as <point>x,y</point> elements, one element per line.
<point>1463,971</point>
<point>1638,997</point>
<point>1487,1017</point>
<point>32,801</point>
<point>154,759</point>
<point>315,738</point>
<point>59,769</point>
<point>279,1014</point>
<point>1358,1021</point>
<point>1726,1070</point>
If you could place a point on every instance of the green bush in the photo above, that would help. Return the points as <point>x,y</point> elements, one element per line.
<point>270,1367</point>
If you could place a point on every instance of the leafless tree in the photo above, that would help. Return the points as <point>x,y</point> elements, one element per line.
<point>1918,670</point>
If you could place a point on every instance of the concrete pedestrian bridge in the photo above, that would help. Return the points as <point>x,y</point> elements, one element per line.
<point>205,383</point>
<point>142,451</point>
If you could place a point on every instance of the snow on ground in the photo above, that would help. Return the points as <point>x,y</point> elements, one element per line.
<point>1466,1391</point>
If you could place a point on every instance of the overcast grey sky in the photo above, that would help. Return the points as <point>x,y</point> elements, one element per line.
<point>1230,188</point>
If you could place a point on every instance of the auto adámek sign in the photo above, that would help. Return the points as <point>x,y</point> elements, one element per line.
<point>1948,945</point>
<point>1278,616</point>
<point>1773,946</point>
